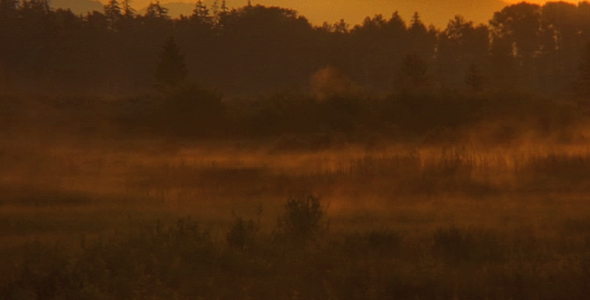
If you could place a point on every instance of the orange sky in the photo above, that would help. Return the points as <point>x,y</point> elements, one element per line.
<point>354,11</point>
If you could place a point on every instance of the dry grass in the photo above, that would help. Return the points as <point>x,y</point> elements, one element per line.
<point>214,179</point>
<point>415,222</point>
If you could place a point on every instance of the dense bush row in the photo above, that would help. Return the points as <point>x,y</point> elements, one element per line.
<point>297,121</point>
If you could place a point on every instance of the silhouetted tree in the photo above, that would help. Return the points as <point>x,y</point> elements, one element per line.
<point>421,40</point>
<point>519,25</point>
<point>112,11</point>
<point>215,8</point>
<point>257,48</point>
<point>156,11</point>
<point>127,8</point>
<point>201,13</point>
<point>338,27</point>
<point>460,45</point>
<point>559,52</point>
<point>416,25</point>
<point>222,13</point>
<point>171,69</point>
<point>266,41</point>
<point>377,47</point>
<point>96,23</point>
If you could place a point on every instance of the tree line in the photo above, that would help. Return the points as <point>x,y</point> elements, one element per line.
<point>258,48</point>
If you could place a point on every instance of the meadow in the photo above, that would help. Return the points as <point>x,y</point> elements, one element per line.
<point>181,219</point>
<point>248,154</point>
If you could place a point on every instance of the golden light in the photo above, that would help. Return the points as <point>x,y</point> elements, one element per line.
<point>355,11</point>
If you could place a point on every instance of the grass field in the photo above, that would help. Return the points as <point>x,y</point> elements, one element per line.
<point>106,219</point>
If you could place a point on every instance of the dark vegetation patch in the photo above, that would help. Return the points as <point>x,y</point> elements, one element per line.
<point>182,259</point>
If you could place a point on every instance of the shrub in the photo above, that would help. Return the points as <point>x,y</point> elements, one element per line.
<point>242,233</point>
<point>304,217</point>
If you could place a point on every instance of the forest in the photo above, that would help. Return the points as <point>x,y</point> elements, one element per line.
<point>244,153</point>
<point>256,49</point>
<point>265,72</point>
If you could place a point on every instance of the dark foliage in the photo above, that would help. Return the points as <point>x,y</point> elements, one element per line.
<point>256,48</point>
<point>242,233</point>
<point>281,77</point>
<point>171,69</point>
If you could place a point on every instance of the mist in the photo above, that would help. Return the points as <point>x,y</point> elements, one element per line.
<point>249,153</point>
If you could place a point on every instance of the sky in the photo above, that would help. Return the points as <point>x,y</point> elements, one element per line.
<point>434,12</point>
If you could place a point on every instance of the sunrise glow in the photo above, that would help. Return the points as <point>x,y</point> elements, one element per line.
<point>354,11</point>
<point>294,149</point>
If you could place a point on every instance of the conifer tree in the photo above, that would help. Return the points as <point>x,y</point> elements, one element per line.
<point>157,11</point>
<point>224,9</point>
<point>215,8</point>
<point>416,25</point>
<point>201,13</point>
<point>112,10</point>
<point>127,9</point>
<point>171,70</point>
<point>221,15</point>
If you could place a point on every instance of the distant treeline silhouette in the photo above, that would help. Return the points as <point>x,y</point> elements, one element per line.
<point>258,48</point>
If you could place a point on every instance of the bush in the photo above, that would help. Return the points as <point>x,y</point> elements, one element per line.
<point>304,217</point>
<point>242,233</point>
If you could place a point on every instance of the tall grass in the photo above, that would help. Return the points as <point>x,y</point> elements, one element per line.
<point>417,223</point>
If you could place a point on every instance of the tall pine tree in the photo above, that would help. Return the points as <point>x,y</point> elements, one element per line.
<point>171,70</point>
